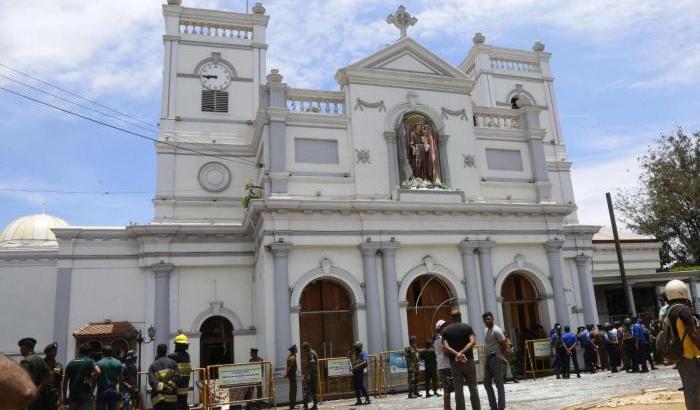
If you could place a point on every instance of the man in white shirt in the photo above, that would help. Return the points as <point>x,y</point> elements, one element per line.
<point>494,346</point>
<point>443,365</point>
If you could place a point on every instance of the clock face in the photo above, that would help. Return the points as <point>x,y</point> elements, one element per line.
<point>215,76</point>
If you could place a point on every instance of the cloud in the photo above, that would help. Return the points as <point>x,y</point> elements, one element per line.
<point>591,181</point>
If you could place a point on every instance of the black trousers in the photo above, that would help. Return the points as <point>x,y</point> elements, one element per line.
<point>567,362</point>
<point>430,379</point>
<point>614,358</point>
<point>358,380</point>
<point>589,357</point>
<point>292,391</point>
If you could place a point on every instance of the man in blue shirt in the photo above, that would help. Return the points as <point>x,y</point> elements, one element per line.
<point>555,344</point>
<point>358,361</point>
<point>640,347</point>
<point>569,341</point>
<point>584,338</point>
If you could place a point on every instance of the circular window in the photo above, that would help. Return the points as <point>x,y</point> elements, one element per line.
<point>214,176</point>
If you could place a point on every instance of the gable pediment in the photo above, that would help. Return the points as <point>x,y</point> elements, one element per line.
<point>408,56</point>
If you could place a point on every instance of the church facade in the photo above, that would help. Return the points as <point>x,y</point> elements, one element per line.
<point>285,215</point>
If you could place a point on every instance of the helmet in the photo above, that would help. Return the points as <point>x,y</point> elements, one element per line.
<point>677,289</point>
<point>181,339</point>
<point>439,324</point>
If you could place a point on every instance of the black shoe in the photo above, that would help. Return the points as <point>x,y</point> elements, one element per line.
<point>436,394</point>
<point>578,376</point>
<point>427,395</point>
<point>367,401</point>
<point>358,402</point>
<point>515,381</point>
<point>558,377</point>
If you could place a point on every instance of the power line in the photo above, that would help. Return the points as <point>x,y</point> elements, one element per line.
<point>244,161</point>
<point>155,128</point>
<point>75,192</point>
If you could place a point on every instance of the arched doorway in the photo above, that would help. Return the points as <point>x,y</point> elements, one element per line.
<point>216,341</point>
<point>521,307</point>
<point>429,300</point>
<point>326,318</point>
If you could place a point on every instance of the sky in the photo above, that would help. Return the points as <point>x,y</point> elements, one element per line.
<point>625,72</point>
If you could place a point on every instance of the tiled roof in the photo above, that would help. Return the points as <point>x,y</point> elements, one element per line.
<point>104,329</point>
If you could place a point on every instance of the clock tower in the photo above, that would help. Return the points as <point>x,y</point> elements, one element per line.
<point>214,62</point>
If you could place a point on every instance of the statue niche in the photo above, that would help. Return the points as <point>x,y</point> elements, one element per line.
<point>419,157</point>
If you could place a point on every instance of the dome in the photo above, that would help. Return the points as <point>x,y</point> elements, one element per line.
<point>32,228</point>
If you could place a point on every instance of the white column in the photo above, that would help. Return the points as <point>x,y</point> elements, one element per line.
<point>374,322</point>
<point>283,328</point>
<point>391,296</point>
<point>585,280</point>
<point>488,285</point>
<point>561,308</point>
<point>633,308</point>
<point>161,317</point>
<point>471,282</point>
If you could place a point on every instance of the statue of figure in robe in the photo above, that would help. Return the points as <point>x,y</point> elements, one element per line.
<point>421,149</point>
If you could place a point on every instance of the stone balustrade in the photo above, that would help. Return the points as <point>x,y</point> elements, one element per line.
<point>512,65</point>
<point>494,118</point>
<point>200,28</point>
<point>471,72</point>
<point>316,101</point>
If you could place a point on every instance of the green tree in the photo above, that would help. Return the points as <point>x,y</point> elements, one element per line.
<point>667,202</point>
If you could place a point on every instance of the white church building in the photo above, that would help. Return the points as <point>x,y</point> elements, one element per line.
<point>370,211</point>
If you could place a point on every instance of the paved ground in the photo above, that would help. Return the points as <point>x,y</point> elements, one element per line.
<point>544,393</point>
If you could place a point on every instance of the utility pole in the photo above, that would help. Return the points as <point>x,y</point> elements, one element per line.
<point>621,263</point>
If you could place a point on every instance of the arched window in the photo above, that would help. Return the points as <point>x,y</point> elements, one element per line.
<point>429,300</point>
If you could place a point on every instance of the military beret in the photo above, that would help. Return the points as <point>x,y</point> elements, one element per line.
<point>254,350</point>
<point>29,342</point>
<point>51,346</point>
<point>292,347</point>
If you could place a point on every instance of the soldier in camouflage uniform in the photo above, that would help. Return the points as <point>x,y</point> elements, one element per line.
<point>413,367</point>
<point>309,372</point>
<point>52,392</point>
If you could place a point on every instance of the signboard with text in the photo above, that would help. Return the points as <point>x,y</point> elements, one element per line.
<point>542,348</point>
<point>339,366</point>
<point>240,374</point>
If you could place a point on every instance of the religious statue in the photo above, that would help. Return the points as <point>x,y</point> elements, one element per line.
<point>421,158</point>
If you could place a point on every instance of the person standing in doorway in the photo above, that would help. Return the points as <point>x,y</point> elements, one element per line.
<point>111,374</point>
<point>52,392</point>
<point>443,365</point>
<point>358,361</point>
<point>413,367</point>
<point>686,331</point>
<point>458,340</point>
<point>81,374</point>
<point>291,375</point>
<point>309,372</point>
<point>495,348</point>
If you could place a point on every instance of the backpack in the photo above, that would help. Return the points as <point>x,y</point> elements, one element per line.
<point>667,342</point>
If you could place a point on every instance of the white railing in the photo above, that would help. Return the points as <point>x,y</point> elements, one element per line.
<point>491,119</point>
<point>503,64</point>
<point>315,101</point>
<point>200,28</point>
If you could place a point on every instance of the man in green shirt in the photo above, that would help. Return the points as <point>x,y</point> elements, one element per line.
<point>80,375</point>
<point>36,367</point>
<point>111,371</point>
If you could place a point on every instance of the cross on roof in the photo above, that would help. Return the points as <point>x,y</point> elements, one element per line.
<point>401,19</point>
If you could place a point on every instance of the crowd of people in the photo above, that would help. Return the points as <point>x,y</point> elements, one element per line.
<point>41,383</point>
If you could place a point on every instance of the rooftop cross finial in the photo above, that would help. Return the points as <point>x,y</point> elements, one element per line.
<point>401,19</point>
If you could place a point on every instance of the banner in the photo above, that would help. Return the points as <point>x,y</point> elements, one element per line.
<point>542,348</point>
<point>339,367</point>
<point>240,374</point>
<point>397,362</point>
